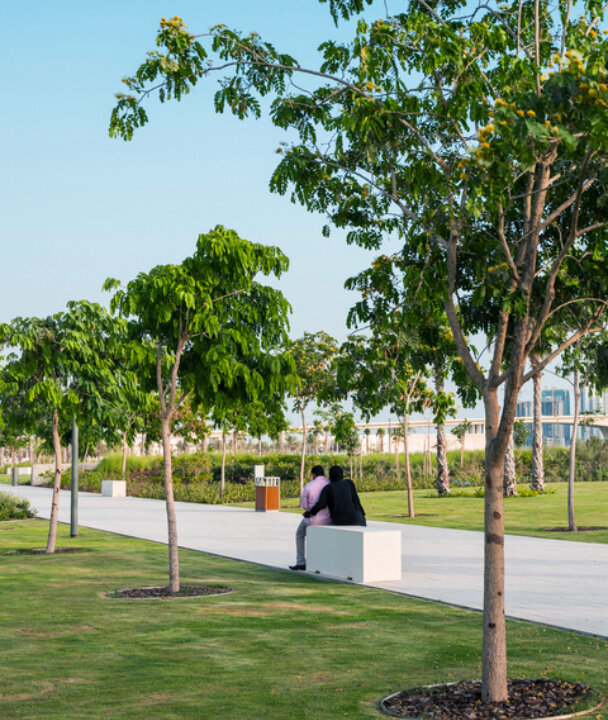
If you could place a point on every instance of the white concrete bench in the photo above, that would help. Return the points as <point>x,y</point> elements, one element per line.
<point>352,552</point>
<point>114,488</point>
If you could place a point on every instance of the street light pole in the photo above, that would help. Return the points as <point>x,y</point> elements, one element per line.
<point>74,493</point>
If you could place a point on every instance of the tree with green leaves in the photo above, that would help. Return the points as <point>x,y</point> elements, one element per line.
<point>460,431</point>
<point>313,355</point>
<point>67,365</point>
<point>324,416</point>
<point>477,134</point>
<point>379,371</point>
<point>345,432</point>
<point>521,433</point>
<point>14,433</point>
<point>206,331</point>
<point>385,297</point>
<point>583,363</point>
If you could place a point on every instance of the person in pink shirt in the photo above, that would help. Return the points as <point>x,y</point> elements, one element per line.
<point>310,496</point>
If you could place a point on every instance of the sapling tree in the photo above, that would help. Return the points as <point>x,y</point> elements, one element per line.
<point>460,431</point>
<point>385,298</point>
<point>65,365</point>
<point>208,332</point>
<point>476,133</point>
<point>381,371</point>
<point>582,365</point>
<point>313,355</point>
<point>345,432</point>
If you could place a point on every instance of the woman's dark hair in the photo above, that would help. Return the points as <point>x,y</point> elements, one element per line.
<point>336,473</point>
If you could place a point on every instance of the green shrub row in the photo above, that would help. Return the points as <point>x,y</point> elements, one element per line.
<point>14,508</point>
<point>196,477</point>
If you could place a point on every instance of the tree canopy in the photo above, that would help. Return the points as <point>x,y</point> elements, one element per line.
<point>67,365</point>
<point>207,332</point>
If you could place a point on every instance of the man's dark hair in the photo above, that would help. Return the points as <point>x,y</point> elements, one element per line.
<point>318,471</point>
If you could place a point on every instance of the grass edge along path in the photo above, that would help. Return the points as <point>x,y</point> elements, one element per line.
<point>464,511</point>
<point>280,647</point>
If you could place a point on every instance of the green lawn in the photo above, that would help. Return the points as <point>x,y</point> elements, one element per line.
<point>523,515</point>
<point>6,479</point>
<point>280,647</point>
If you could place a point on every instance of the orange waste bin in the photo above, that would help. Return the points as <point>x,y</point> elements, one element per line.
<point>267,493</point>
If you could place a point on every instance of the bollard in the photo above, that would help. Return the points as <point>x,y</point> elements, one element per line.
<point>15,477</point>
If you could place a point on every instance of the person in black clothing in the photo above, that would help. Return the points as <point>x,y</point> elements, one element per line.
<point>340,496</point>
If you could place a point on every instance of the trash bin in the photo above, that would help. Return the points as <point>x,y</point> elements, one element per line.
<point>267,493</point>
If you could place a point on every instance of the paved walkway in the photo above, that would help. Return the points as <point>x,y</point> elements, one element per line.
<point>555,582</point>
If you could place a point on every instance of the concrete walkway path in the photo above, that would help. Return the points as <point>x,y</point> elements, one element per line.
<point>556,582</point>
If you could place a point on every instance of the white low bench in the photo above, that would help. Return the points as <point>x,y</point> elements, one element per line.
<point>353,552</point>
<point>114,488</point>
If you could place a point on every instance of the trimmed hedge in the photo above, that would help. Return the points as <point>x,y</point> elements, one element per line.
<point>196,477</point>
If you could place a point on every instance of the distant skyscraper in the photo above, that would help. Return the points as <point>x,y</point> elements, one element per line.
<point>556,401</point>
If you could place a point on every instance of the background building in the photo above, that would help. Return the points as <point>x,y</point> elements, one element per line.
<point>554,402</point>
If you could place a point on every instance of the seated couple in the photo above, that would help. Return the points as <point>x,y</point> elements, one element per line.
<point>333,502</point>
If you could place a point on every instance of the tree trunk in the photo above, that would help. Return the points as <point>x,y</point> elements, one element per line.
<point>396,450</point>
<point>572,468</point>
<point>360,463</point>
<point>303,459</point>
<point>124,455</point>
<point>143,444</point>
<point>462,451</point>
<point>426,460</point>
<point>494,666</point>
<point>223,475</point>
<point>510,478</point>
<point>52,537</point>
<point>538,470</point>
<point>408,473</point>
<point>442,483</point>
<point>282,441</point>
<point>32,462</point>
<point>170,504</point>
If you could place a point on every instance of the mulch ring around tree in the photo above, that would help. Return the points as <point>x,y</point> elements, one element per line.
<point>42,551</point>
<point>578,529</point>
<point>185,591</point>
<point>528,698</point>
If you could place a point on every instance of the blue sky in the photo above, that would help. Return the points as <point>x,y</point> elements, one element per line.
<point>79,207</point>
